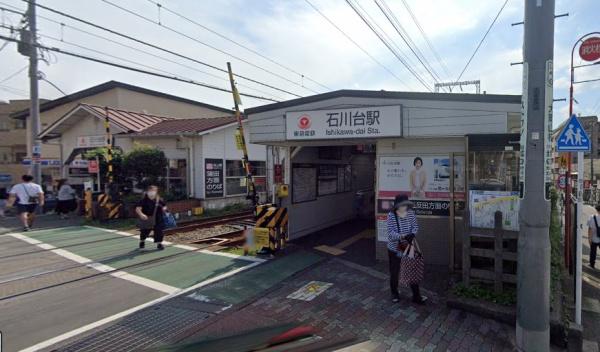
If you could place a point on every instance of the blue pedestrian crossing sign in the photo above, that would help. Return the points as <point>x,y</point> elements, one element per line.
<point>573,137</point>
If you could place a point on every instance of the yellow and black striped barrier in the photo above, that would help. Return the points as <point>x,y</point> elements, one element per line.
<point>108,209</point>
<point>271,226</point>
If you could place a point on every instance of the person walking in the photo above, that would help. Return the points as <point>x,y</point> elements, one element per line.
<point>594,235</point>
<point>150,211</point>
<point>402,227</point>
<point>29,196</point>
<point>67,199</point>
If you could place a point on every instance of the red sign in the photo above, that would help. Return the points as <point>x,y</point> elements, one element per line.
<point>304,122</point>
<point>93,166</point>
<point>278,173</point>
<point>587,184</point>
<point>589,50</point>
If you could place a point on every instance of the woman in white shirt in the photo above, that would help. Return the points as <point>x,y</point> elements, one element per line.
<point>67,199</point>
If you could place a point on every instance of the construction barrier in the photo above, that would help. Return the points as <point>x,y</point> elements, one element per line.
<point>270,227</point>
<point>107,208</point>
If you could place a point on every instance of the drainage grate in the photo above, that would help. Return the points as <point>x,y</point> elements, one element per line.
<point>150,327</point>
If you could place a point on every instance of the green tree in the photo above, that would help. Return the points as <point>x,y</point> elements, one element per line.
<point>145,165</point>
<point>117,161</point>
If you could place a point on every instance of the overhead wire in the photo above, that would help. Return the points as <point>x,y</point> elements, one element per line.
<point>393,20</point>
<point>163,7</point>
<point>156,74</point>
<point>439,59</point>
<point>481,41</point>
<point>157,47</point>
<point>14,74</point>
<point>356,44</point>
<point>208,45</point>
<point>389,46</point>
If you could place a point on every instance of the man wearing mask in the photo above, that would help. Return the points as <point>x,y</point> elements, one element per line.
<point>150,211</point>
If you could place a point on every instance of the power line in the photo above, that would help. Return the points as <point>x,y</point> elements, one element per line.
<point>13,90</point>
<point>481,41</point>
<point>429,44</point>
<point>396,54</point>
<point>406,38</point>
<point>160,6</point>
<point>207,45</point>
<point>14,74</point>
<point>53,85</point>
<point>356,44</point>
<point>114,64</point>
<point>156,47</point>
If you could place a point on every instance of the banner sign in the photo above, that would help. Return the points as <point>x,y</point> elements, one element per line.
<point>43,162</point>
<point>422,207</point>
<point>420,177</point>
<point>360,122</point>
<point>91,141</point>
<point>213,178</point>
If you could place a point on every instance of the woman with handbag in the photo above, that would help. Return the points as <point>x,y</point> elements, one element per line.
<point>402,228</point>
<point>150,211</point>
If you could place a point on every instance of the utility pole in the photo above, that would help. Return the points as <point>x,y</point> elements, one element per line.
<point>533,274</point>
<point>34,110</point>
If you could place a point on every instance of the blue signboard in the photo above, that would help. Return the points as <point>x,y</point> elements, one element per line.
<point>5,178</point>
<point>573,137</point>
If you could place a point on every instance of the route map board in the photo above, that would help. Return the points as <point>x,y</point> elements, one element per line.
<point>484,204</point>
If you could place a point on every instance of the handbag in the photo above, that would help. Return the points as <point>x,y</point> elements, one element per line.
<point>412,265</point>
<point>150,222</point>
<point>32,199</point>
<point>169,220</point>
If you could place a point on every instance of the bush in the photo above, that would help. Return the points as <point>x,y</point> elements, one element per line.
<point>506,298</point>
<point>556,252</point>
<point>145,165</point>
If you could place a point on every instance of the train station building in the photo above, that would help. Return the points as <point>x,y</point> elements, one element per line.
<point>348,153</point>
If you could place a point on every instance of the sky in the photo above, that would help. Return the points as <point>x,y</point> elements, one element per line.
<point>297,47</point>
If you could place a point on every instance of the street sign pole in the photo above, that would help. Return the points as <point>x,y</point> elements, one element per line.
<point>578,249</point>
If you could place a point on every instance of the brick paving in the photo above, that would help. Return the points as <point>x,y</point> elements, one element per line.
<point>357,306</point>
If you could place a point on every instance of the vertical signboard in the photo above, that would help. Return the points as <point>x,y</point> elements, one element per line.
<point>213,178</point>
<point>549,98</point>
<point>523,149</point>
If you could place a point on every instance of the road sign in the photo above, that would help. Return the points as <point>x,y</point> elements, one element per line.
<point>562,181</point>
<point>92,166</point>
<point>589,50</point>
<point>573,137</point>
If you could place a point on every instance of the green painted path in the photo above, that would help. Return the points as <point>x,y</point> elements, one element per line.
<point>185,269</point>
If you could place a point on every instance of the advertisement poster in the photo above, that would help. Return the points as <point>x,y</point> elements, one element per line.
<point>382,228</point>
<point>359,122</point>
<point>420,177</point>
<point>213,178</point>
<point>484,204</point>
<point>304,183</point>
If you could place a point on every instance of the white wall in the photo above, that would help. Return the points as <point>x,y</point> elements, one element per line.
<point>420,117</point>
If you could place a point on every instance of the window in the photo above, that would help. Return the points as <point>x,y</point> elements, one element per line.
<point>20,156</point>
<point>20,124</point>
<point>177,178</point>
<point>235,176</point>
<point>494,170</point>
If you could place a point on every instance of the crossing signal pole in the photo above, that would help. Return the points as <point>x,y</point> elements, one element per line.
<point>533,274</point>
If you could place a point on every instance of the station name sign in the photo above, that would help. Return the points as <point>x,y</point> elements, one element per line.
<point>360,122</point>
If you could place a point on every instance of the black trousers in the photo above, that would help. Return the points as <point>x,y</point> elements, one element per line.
<point>593,251</point>
<point>395,263</point>
<point>158,233</point>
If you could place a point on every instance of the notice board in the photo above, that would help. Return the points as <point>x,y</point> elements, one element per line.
<point>213,178</point>
<point>304,183</point>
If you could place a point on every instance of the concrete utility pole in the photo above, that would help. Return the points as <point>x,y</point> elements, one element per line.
<point>533,275</point>
<point>34,110</point>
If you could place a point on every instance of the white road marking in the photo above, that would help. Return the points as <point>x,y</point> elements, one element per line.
<point>129,311</point>
<point>99,266</point>
<point>183,246</point>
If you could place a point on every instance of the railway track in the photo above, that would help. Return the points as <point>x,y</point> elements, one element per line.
<point>235,218</point>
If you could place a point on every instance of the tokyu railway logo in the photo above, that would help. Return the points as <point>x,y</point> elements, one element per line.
<point>304,122</point>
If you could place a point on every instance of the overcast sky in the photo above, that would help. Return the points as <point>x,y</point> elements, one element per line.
<point>293,34</point>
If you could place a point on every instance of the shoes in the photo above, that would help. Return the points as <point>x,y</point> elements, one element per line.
<point>142,244</point>
<point>395,299</point>
<point>25,229</point>
<point>420,301</point>
<point>593,266</point>
<point>160,247</point>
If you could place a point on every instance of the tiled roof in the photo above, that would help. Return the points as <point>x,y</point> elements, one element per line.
<point>127,120</point>
<point>186,126</point>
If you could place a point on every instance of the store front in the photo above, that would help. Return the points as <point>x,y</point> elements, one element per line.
<point>439,149</point>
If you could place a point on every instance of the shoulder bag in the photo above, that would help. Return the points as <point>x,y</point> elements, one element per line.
<point>150,222</point>
<point>401,244</point>
<point>32,199</point>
